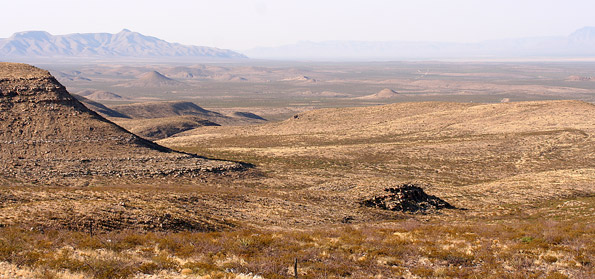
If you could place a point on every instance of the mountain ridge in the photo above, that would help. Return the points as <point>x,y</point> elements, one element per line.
<point>580,43</point>
<point>41,44</point>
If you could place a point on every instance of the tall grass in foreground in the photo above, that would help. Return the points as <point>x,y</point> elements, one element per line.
<point>529,249</point>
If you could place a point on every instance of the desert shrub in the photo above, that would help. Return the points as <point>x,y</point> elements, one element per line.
<point>13,241</point>
<point>451,257</point>
<point>64,259</point>
<point>423,271</point>
<point>85,241</point>
<point>108,268</point>
<point>124,240</point>
<point>351,240</point>
<point>7,250</point>
<point>550,259</point>
<point>46,273</point>
<point>201,268</point>
<point>556,275</point>
<point>527,239</point>
<point>148,268</point>
<point>164,261</point>
<point>452,272</point>
<point>582,260</point>
<point>133,239</point>
<point>171,243</point>
<point>337,265</point>
<point>522,262</point>
<point>344,251</point>
<point>250,244</point>
<point>28,258</point>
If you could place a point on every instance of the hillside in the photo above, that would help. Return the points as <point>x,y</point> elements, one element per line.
<point>153,79</point>
<point>40,44</point>
<point>48,133</point>
<point>166,109</point>
<point>380,95</point>
<point>455,146</point>
<point>160,128</point>
<point>99,107</point>
<point>100,95</point>
<point>438,118</point>
<point>247,115</point>
<point>163,109</point>
<point>412,190</point>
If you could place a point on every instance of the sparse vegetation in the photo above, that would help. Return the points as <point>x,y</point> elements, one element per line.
<point>523,172</point>
<point>435,249</point>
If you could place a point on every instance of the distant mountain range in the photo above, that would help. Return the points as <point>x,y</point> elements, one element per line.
<point>127,44</point>
<point>33,45</point>
<point>580,44</point>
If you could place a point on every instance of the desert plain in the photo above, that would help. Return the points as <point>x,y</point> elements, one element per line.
<point>284,170</point>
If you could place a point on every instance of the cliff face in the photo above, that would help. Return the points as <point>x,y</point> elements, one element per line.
<point>45,131</point>
<point>39,118</point>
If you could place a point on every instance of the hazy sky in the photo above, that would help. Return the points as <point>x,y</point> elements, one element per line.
<point>242,24</point>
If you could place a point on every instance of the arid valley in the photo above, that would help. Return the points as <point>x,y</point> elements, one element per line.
<point>334,170</point>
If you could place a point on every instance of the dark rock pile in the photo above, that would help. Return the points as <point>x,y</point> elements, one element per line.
<point>407,198</point>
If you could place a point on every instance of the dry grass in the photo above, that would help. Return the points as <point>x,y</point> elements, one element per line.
<point>477,156</point>
<point>527,190</point>
<point>520,249</point>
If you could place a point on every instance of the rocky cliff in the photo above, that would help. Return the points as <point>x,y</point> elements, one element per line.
<point>46,132</point>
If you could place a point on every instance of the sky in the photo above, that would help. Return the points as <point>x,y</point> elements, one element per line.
<point>243,24</point>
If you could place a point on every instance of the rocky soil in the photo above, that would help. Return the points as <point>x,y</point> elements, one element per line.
<point>47,133</point>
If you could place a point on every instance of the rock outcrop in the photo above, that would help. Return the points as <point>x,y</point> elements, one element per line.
<point>407,198</point>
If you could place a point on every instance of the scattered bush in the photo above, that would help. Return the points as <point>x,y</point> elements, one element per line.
<point>434,249</point>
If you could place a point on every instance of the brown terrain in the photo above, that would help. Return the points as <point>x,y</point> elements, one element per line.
<point>99,95</point>
<point>382,94</point>
<point>158,120</point>
<point>100,108</point>
<point>403,190</point>
<point>148,110</point>
<point>163,127</point>
<point>48,133</point>
<point>153,79</point>
<point>463,150</point>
